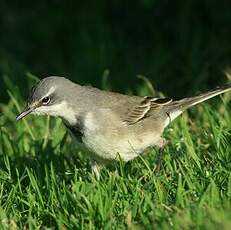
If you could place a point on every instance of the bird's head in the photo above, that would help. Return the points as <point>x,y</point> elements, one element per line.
<point>48,97</point>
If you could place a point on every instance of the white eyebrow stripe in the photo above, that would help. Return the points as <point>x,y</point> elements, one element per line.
<point>51,90</point>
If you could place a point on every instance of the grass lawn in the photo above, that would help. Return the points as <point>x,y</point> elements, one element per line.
<point>46,182</point>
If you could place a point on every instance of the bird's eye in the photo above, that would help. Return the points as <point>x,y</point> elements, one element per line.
<point>45,100</point>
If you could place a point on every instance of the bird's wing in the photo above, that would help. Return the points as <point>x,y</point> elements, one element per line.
<point>144,109</point>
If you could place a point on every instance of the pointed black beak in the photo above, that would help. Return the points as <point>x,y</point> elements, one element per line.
<point>25,112</point>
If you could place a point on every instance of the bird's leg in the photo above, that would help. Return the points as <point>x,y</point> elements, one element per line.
<point>95,168</point>
<point>161,154</point>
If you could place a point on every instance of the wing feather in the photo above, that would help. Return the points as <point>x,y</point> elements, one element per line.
<point>142,110</point>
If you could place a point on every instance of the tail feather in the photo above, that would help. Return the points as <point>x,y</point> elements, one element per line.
<point>175,108</point>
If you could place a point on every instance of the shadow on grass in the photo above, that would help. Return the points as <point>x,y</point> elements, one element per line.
<point>63,163</point>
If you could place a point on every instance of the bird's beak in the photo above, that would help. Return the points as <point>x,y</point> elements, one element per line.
<point>25,112</point>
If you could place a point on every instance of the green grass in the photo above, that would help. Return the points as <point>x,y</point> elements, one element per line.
<point>181,46</point>
<point>45,180</point>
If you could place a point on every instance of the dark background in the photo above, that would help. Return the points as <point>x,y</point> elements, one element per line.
<point>181,46</point>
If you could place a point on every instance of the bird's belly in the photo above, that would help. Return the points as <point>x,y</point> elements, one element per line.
<point>109,147</point>
<point>113,141</point>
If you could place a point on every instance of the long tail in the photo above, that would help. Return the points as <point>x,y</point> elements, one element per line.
<point>175,108</point>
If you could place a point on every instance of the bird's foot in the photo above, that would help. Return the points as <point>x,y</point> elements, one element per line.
<point>161,155</point>
<point>95,168</point>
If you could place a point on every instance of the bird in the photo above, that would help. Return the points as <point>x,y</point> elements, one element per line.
<point>112,126</point>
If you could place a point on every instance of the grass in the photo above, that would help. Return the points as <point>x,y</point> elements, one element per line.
<point>45,180</point>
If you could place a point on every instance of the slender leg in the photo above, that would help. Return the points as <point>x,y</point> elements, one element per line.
<point>95,168</point>
<point>161,155</point>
